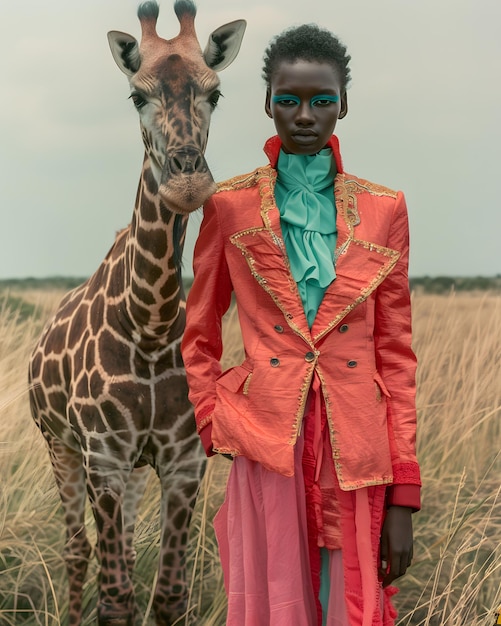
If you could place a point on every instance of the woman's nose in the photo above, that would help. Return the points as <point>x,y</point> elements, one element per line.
<point>304,113</point>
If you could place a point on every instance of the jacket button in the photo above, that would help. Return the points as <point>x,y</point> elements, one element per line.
<point>309,356</point>
<point>352,364</point>
<point>274,362</point>
<point>343,328</point>
<point>278,328</point>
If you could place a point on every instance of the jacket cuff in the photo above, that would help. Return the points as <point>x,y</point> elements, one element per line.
<point>406,473</point>
<point>206,437</point>
<point>404,495</point>
<point>204,417</point>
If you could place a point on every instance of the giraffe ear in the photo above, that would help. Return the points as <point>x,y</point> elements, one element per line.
<point>125,51</point>
<point>224,44</point>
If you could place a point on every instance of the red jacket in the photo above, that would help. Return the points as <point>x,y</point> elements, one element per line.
<point>359,344</point>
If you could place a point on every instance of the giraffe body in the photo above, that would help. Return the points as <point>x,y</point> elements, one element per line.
<point>107,383</point>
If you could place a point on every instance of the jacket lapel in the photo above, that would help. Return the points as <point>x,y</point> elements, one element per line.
<point>264,250</point>
<point>361,266</point>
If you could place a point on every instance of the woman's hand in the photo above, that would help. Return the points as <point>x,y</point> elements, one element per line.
<point>396,544</point>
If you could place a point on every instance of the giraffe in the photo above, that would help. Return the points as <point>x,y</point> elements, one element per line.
<point>107,385</point>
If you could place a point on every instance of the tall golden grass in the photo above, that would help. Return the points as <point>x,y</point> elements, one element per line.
<point>455,578</point>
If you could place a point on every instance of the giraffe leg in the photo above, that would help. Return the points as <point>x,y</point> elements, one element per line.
<point>70,478</point>
<point>134,492</point>
<point>179,492</point>
<point>106,488</point>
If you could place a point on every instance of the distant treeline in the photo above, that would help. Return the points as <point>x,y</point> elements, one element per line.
<point>52,282</point>
<point>421,284</point>
<point>446,284</point>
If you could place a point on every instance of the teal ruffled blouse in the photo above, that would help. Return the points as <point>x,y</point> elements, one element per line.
<point>304,194</point>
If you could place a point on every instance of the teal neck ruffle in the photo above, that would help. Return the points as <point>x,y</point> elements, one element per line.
<point>304,194</point>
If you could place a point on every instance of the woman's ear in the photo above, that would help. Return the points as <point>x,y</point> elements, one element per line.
<point>344,106</point>
<point>267,103</point>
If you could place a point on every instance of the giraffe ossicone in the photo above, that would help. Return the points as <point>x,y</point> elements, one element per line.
<point>107,382</point>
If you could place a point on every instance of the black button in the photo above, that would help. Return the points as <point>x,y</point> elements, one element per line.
<point>352,364</point>
<point>278,328</point>
<point>309,356</point>
<point>343,328</point>
<point>274,362</point>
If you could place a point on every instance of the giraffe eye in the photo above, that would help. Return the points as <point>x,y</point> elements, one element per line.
<point>138,100</point>
<point>214,98</point>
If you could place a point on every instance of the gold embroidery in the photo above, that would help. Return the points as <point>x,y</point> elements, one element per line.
<point>233,452</point>
<point>385,480</point>
<point>352,216</point>
<point>266,184</point>
<point>239,182</point>
<point>341,249</point>
<point>359,185</point>
<point>352,212</point>
<point>346,207</point>
<point>203,423</point>
<point>345,193</point>
<point>266,188</point>
<point>247,383</point>
<point>302,397</point>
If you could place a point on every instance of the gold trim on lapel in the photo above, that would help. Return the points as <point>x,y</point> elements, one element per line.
<point>346,215</point>
<point>264,250</point>
<point>360,269</point>
<point>361,266</point>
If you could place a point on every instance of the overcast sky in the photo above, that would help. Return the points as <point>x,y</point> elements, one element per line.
<point>424,117</point>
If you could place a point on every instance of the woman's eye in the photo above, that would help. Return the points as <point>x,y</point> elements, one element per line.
<point>214,98</point>
<point>138,100</point>
<point>323,101</point>
<point>286,100</point>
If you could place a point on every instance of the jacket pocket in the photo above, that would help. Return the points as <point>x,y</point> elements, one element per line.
<point>232,402</point>
<point>380,387</point>
<point>236,379</point>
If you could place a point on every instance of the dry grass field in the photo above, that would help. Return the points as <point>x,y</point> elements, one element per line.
<point>455,578</point>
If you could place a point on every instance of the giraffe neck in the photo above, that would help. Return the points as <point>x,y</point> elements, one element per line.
<point>155,295</point>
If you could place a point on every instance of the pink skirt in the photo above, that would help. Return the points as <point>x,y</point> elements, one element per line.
<point>263,545</point>
<point>270,562</point>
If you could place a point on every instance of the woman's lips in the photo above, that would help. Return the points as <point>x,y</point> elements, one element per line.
<point>304,138</point>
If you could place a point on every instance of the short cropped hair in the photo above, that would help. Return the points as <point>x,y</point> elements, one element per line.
<point>308,42</point>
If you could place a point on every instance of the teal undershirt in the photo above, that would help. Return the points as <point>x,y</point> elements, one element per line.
<point>304,195</point>
<point>325,585</point>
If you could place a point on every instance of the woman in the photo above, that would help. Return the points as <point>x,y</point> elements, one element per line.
<point>320,416</point>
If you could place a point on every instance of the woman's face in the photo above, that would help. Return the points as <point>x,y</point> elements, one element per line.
<point>305,100</point>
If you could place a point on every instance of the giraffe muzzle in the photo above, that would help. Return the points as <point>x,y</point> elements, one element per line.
<point>186,180</point>
<point>187,161</point>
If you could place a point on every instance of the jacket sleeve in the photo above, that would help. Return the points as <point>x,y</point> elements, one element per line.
<point>209,298</point>
<point>396,363</point>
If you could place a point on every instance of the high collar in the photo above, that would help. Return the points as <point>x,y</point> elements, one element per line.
<point>273,145</point>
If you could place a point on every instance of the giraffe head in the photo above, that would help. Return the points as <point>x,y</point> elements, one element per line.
<point>175,88</point>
